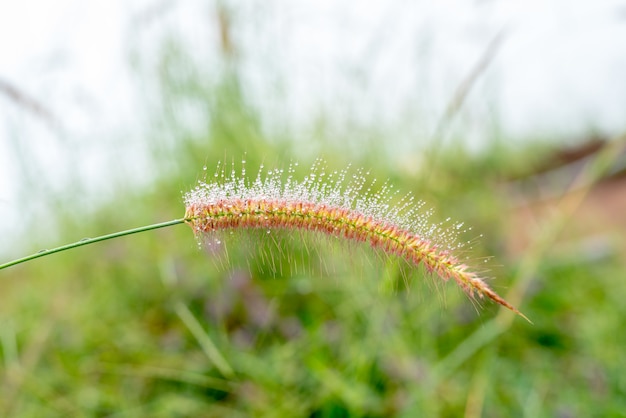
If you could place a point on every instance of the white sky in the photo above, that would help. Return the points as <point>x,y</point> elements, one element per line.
<point>560,71</point>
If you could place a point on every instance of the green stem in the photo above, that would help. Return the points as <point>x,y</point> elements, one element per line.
<point>87,241</point>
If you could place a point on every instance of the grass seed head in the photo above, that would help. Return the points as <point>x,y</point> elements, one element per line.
<point>336,203</point>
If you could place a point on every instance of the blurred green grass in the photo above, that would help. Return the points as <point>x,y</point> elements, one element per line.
<point>148,325</point>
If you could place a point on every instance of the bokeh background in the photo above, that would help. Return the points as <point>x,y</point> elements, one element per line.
<point>507,116</point>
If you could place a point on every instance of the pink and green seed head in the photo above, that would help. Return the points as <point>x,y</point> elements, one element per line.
<point>330,204</point>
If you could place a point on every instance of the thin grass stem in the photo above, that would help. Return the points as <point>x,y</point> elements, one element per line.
<point>87,241</point>
<point>208,346</point>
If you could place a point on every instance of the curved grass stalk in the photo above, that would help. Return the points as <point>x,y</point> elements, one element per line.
<point>324,203</point>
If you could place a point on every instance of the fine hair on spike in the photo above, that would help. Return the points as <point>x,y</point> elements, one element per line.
<point>341,204</point>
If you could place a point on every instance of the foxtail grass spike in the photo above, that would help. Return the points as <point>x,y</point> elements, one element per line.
<point>339,204</point>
